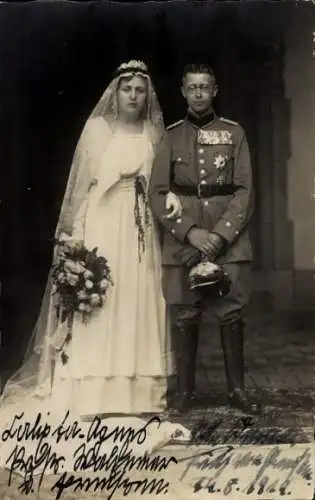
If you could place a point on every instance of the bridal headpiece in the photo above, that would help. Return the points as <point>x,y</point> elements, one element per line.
<point>133,66</point>
<point>107,105</point>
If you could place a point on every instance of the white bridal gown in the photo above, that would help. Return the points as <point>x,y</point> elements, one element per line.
<point>118,362</point>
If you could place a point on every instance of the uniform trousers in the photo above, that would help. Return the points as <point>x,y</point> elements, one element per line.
<point>186,305</point>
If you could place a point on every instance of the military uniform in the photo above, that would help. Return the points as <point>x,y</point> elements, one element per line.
<point>214,155</point>
<point>206,162</point>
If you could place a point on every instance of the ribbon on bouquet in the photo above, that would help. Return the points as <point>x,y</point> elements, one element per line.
<point>62,333</point>
<point>58,338</point>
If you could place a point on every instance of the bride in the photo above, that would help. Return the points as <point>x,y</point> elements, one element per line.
<point>119,361</point>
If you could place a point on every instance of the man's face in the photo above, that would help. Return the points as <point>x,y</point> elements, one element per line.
<point>199,89</point>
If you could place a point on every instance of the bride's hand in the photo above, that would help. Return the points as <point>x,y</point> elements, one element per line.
<point>173,203</point>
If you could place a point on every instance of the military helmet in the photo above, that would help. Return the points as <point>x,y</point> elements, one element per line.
<point>209,280</point>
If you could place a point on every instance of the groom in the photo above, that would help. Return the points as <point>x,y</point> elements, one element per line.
<point>205,160</point>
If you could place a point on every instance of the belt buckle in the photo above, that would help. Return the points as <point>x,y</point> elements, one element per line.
<point>199,188</point>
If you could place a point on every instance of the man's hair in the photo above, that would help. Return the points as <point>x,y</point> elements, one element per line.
<point>198,68</point>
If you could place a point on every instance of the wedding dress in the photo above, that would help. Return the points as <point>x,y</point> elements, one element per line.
<point>118,361</point>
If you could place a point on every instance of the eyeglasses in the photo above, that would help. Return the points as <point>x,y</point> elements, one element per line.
<point>201,88</point>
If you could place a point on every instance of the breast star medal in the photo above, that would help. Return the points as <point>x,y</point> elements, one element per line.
<point>220,161</point>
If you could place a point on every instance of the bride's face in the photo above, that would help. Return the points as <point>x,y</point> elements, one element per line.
<point>131,97</point>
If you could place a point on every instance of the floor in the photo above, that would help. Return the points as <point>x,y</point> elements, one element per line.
<point>280,359</point>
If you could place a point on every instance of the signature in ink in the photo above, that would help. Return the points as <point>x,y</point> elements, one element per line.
<point>205,432</point>
<point>43,459</point>
<point>119,464</point>
<point>217,459</point>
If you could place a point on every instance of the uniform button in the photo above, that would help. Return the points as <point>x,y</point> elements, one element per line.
<point>201,150</point>
<point>202,171</point>
<point>173,231</point>
<point>179,159</point>
<point>179,220</point>
<point>228,224</point>
<point>203,182</point>
<point>237,232</point>
<point>206,203</point>
<point>201,160</point>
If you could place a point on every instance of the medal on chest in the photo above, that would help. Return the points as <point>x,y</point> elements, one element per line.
<point>220,161</point>
<point>213,137</point>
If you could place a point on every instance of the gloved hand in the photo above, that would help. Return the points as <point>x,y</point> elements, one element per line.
<point>173,206</point>
<point>213,246</point>
<point>188,256</point>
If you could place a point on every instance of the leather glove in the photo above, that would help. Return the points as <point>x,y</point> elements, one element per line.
<point>213,246</point>
<point>188,256</point>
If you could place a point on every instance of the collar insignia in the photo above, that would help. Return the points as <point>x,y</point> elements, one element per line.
<point>173,125</point>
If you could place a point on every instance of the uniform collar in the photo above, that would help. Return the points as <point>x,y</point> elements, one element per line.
<point>200,121</point>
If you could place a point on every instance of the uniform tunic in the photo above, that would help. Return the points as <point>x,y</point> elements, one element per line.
<point>214,152</point>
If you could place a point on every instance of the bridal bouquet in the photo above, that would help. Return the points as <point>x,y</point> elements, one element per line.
<point>81,278</point>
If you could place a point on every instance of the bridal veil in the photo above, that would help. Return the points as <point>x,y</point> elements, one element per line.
<point>35,375</point>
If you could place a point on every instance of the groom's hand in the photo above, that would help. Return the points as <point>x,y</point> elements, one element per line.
<point>214,245</point>
<point>198,238</point>
<point>188,256</point>
<point>208,243</point>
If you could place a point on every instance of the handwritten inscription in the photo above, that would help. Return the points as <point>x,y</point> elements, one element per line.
<point>207,469</point>
<point>115,463</point>
<point>28,464</point>
<point>111,459</point>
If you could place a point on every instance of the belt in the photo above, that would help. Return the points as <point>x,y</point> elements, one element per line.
<point>204,190</point>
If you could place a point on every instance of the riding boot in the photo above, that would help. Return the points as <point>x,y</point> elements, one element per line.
<point>188,343</point>
<point>192,349</point>
<point>233,347</point>
<point>175,345</point>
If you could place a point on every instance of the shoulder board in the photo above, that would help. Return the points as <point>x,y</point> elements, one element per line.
<point>173,125</point>
<point>231,122</point>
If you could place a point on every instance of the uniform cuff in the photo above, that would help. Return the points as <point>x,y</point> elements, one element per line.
<point>227,230</point>
<point>180,227</point>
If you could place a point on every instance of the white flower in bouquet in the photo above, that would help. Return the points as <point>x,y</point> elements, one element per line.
<point>82,295</point>
<point>104,284</point>
<point>85,307</point>
<point>88,274</point>
<point>89,284</point>
<point>72,279</point>
<point>95,299</point>
<point>73,267</point>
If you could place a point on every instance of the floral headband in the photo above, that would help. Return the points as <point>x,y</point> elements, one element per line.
<point>132,66</point>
